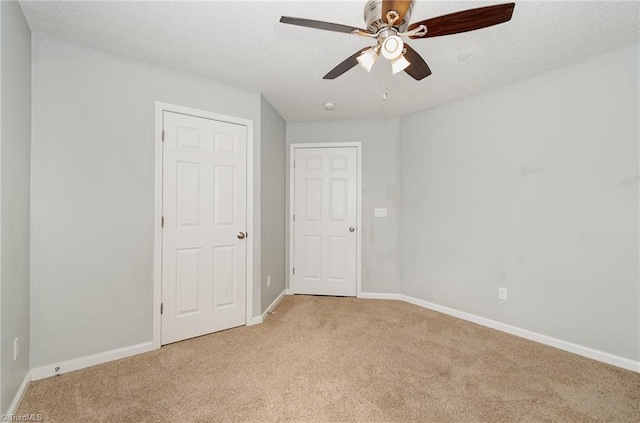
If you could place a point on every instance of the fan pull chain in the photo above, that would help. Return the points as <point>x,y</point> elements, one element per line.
<point>385,86</point>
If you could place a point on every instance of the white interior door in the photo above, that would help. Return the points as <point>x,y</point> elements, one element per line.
<point>325,218</point>
<point>205,213</point>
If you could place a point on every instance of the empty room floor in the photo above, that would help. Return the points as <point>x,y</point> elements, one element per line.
<point>325,359</point>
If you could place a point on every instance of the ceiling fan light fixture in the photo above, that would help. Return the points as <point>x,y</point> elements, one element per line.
<point>399,64</point>
<point>392,47</point>
<point>368,58</point>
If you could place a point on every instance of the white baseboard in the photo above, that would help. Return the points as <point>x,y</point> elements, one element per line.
<point>20,394</point>
<point>288,292</point>
<point>602,356</point>
<point>381,296</point>
<point>259,319</point>
<point>88,361</point>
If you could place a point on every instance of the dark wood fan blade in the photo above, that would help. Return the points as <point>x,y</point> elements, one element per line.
<point>418,68</point>
<point>400,6</point>
<point>350,62</point>
<point>327,26</point>
<point>467,20</point>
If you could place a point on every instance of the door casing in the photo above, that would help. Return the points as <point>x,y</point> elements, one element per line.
<point>160,108</point>
<point>292,155</point>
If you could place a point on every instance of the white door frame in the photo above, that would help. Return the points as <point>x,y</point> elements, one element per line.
<point>292,156</point>
<point>157,229</point>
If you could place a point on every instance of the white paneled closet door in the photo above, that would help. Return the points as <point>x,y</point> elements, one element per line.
<point>325,213</point>
<point>205,218</point>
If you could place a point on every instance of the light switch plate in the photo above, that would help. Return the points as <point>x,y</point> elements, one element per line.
<point>379,212</point>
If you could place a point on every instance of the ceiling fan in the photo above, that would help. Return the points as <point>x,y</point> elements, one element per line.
<point>388,22</point>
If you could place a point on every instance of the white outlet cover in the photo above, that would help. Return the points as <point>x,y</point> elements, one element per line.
<point>379,212</point>
<point>15,348</point>
<point>502,293</point>
<point>269,281</point>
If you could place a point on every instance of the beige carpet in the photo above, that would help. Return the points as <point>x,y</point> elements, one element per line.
<point>322,359</point>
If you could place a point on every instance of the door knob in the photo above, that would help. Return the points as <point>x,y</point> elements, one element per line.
<point>352,229</point>
<point>241,235</point>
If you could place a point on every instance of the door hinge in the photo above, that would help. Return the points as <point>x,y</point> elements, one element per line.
<point>294,164</point>
<point>294,217</point>
<point>294,270</point>
<point>162,222</point>
<point>161,308</point>
<point>163,135</point>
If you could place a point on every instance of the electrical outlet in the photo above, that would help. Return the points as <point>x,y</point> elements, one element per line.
<point>502,293</point>
<point>15,348</point>
<point>268,281</point>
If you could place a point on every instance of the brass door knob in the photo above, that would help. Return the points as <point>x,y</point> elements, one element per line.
<point>352,229</point>
<point>241,235</point>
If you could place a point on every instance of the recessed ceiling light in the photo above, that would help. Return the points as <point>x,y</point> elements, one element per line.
<point>464,56</point>
<point>329,106</point>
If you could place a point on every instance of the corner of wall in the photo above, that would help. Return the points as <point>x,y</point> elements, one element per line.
<point>15,170</point>
<point>399,275</point>
<point>272,179</point>
<point>1,91</point>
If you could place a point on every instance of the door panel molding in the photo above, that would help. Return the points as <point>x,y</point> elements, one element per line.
<point>292,155</point>
<point>220,145</point>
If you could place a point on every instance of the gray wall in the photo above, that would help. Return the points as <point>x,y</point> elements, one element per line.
<point>380,188</point>
<point>93,194</point>
<point>533,187</point>
<point>272,179</point>
<point>15,147</point>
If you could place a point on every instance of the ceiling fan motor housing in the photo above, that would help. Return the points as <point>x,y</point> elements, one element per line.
<point>375,22</point>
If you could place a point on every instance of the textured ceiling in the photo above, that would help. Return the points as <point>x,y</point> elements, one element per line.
<point>241,43</point>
